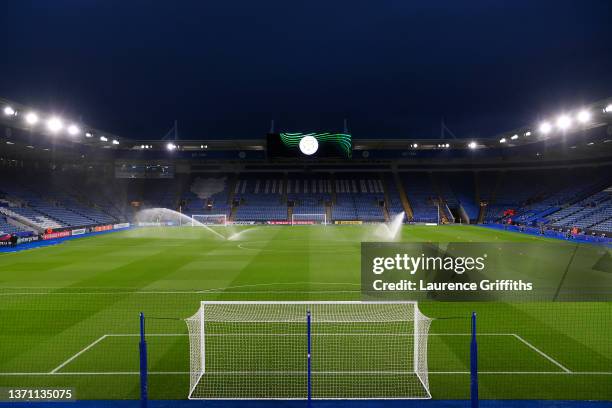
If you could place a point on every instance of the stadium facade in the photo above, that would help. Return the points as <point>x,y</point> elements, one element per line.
<point>61,179</point>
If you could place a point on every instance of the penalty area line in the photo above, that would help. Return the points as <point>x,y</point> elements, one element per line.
<point>59,367</point>
<point>543,354</point>
<point>56,370</point>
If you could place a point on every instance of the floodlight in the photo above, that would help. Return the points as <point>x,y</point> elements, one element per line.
<point>55,124</point>
<point>448,145</point>
<point>31,118</point>
<point>608,109</point>
<point>545,127</point>
<point>502,140</point>
<point>8,111</point>
<point>415,145</point>
<point>514,137</point>
<point>115,142</point>
<point>103,139</point>
<point>472,145</point>
<point>309,145</point>
<point>584,116</point>
<point>88,134</point>
<point>170,146</point>
<point>73,130</point>
<point>528,133</point>
<point>564,122</point>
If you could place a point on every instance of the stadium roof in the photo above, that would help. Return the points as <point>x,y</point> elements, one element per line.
<point>48,124</point>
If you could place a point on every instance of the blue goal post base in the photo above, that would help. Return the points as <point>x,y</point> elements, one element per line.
<point>143,364</point>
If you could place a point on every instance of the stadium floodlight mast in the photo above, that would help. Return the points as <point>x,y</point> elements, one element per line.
<point>73,130</point>
<point>564,122</point>
<point>545,127</point>
<point>308,350</point>
<point>31,118</point>
<point>583,116</point>
<point>54,124</point>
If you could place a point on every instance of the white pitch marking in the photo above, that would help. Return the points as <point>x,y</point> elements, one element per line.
<point>56,369</point>
<point>552,360</point>
<point>543,354</point>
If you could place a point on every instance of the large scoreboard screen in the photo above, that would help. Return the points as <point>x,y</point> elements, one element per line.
<point>309,145</point>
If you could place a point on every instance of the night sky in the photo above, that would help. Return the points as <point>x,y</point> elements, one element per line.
<point>225,68</point>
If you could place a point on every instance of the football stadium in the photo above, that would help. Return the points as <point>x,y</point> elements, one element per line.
<point>328,266</point>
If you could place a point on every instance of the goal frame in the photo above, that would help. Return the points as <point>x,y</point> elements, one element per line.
<point>309,215</point>
<point>193,220</point>
<point>202,321</point>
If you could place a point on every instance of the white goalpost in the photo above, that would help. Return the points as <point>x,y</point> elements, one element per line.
<point>308,350</point>
<point>307,219</point>
<point>198,220</point>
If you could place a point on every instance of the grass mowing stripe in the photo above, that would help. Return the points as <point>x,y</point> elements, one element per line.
<point>169,271</point>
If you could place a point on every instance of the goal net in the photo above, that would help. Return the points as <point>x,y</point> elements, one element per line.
<point>302,350</point>
<point>198,220</point>
<point>307,219</point>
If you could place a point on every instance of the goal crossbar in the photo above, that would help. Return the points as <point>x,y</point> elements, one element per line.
<point>306,302</point>
<point>308,350</point>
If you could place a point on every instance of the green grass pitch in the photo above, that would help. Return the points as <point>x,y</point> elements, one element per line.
<point>69,313</point>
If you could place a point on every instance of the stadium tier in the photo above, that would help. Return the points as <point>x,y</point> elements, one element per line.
<point>422,197</point>
<point>564,199</point>
<point>7,228</point>
<point>260,198</point>
<point>207,195</point>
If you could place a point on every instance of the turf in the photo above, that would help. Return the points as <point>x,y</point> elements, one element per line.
<point>69,313</point>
